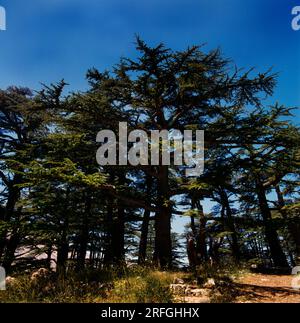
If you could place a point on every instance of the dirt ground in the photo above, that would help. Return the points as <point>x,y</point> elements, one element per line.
<point>260,288</point>
<point>249,288</point>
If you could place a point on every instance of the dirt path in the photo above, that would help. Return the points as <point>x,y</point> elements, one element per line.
<point>249,288</point>
<point>260,288</point>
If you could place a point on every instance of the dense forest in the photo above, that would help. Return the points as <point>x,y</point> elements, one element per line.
<point>60,208</point>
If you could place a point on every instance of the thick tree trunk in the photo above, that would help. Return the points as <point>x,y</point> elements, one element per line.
<point>114,252</point>
<point>201,241</point>
<point>49,256</point>
<point>163,244</point>
<point>214,247</point>
<point>62,252</point>
<point>118,236</point>
<point>229,222</point>
<point>115,221</point>
<point>118,228</point>
<point>296,234</point>
<point>12,241</point>
<point>293,226</point>
<point>192,253</point>
<point>10,251</point>
<point>84,235</point>
<point>193,226</point>
<point>145,225</point>
<point>144,238</point>
<point>277,254</point>
<point>108,254</point>
<point>9,209</point>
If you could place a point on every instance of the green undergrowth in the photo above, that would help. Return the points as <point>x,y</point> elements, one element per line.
<point>113,285</point>
<point>133,284</point>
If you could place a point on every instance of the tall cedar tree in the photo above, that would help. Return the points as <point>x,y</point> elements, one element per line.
<point>173,90</point>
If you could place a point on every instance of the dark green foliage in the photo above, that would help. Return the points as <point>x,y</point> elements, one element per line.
<point>57,202</point>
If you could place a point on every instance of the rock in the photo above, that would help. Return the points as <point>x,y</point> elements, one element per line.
<point>200,292</point>
<point>188,290</point>
<point>190,294</point>
<point>178,281</point>
<point>210,283</point>
<point>178,288</point>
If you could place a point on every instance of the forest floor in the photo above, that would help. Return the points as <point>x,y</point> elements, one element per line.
<point>145,285</point>
<point>247,288</point>
<point>261,288</point>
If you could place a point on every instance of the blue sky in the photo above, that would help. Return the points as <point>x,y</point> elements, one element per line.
<point>47,40</point>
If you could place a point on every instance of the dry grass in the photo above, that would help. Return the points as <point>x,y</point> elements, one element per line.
<point>121,285</point>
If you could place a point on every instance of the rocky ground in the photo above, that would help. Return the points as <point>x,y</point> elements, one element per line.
<point>238,287</point>
<point>250,288</point>
<point>259,288</point>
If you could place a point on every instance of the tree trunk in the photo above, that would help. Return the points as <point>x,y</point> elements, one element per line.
<point>9,209</point>
<point>145,225</point>
<point>118,236</point>
<point>293,226</point>
<point>10,250</point>
<point>84,235</point>
<point>193,226</point>
<point>62,252</point>
<point>201,241</point>
<point>115,241</point>
<point>277,254</point>
<point>12,242</point>
<point>163,244</point>
<point>144,238</point>
<point>108,254</point>
<point>229,222</point>
<point>49,256</point>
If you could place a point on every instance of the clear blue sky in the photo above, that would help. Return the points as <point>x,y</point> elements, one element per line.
<point>47,40</point>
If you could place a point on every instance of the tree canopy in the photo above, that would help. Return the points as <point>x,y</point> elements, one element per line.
<point>58,205</point>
